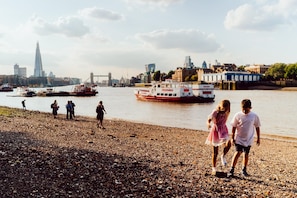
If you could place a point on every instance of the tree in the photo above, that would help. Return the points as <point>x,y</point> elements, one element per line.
<point>157,75</point>
<point>276,71</point>
<point>169,75</point>
<point>241,68</point>
<point>291,71</point>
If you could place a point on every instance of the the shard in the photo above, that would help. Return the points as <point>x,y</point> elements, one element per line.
<point>38,71</point>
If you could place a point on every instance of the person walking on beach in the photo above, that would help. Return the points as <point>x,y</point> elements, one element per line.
<point>24,105</point>
<point>244,124</point>
<point>55,108</point>
<point>72,109</point>
<point>218,134</point>
<point>100,114</point>
<point>68,110</point>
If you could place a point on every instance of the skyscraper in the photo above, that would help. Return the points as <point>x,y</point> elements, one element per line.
<point>38,71</point>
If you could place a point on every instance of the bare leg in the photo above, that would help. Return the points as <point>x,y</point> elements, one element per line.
<point>215,155</point>
<point>235,158</point>
<point>227,147</point>
<point>245,160</point>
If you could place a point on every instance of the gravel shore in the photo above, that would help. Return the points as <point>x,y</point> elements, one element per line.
<point>45,157</point>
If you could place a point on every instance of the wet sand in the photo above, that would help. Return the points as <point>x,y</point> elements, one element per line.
<point>46,157</point>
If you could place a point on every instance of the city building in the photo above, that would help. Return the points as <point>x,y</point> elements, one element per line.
<point>38,71</point>
<point>20,71</point>
<point>258,69</point>
<point>236,76</point>
<point>188,63</point>
<point>187,70</point>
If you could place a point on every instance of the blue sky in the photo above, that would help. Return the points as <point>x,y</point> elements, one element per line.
<point>78,37</point>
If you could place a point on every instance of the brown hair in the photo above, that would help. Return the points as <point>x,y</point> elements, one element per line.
<point>246,103</point>
<point>224,105</point>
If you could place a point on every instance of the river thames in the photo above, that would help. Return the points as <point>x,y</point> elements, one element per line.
<point>277,109</point>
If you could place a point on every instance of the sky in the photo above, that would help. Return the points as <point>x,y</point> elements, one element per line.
<point>77,37</point>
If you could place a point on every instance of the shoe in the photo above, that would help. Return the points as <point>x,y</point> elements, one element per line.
<point>223,160</point>
<point>230,173</point>
<point>213,171</point>
<point>244,173</point>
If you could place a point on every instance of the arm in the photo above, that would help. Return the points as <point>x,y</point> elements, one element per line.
<point>208,123</point>
<point>233,135</point>
<point>258,135</point>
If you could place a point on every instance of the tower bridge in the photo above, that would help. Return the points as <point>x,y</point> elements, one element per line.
<point>92,75</point>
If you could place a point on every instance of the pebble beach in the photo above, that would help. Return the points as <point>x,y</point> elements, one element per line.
<point>45,157</point>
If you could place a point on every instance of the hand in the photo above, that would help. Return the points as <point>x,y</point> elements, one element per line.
<point>232,142</point>
<point>258,142</point>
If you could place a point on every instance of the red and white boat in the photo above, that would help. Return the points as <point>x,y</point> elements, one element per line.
<point>171,91</point>
<point>84,89</point>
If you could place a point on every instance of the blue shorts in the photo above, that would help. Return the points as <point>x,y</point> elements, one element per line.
<point>240,148</point>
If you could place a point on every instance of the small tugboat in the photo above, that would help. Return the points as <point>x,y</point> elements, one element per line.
<point>84,89</point>
<point>6,88</point>
<point>171,91</point>
<point>52,92</point>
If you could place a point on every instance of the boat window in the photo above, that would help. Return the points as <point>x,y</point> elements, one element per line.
<point>166,94</point>
<point>174,94</point>
<point>162,94</point>
<point>170,94</point>
<point>158,94</point>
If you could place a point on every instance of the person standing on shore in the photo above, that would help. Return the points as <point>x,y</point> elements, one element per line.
<point>55,108</point>
<point>218,134</point>
<point>100,110</point>
<point>244,124</point>
<point>72,109</point>
<point>68,110</point>
<point>24,105</point>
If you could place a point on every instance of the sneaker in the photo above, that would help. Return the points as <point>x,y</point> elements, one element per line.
<point>230,173</point>
<point>213,171</point>
<point>244,173</point>
<point>223,160</point>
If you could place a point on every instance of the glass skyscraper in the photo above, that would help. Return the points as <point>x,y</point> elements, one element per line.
<point>38,71</point>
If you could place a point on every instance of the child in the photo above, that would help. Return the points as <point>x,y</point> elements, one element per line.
<point>219,132</point>
<point>244,123</point>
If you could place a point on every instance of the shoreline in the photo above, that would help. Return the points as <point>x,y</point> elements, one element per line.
<point>263,135</point>
<point>45,157</point>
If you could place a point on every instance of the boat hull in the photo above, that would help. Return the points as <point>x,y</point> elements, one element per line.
<point>92,93</point>
<point>192,99</point>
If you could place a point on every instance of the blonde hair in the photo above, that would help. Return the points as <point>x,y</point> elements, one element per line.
<point>224,105</point>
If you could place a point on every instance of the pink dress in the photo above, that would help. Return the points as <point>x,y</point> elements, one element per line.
<point>218,134</point>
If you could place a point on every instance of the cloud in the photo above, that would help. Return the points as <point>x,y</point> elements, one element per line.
<point>187,40</point>
<point>100,14</point>
<point>264,16</point>
<point>68,26</point>
<point>163,3</point>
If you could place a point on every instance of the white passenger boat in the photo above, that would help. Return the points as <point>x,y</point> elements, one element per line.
<point>24,92</point>
<point>172,91</point>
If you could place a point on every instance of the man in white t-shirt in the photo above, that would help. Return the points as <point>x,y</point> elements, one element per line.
<point>244,124</point>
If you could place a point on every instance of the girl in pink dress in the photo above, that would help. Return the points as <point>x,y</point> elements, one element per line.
<point>218,134</point>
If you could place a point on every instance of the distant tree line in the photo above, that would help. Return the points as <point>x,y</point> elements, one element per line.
<point>277,71</point>
<point>281,71</point>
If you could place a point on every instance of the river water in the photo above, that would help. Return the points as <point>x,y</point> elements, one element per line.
<point>277,109</point>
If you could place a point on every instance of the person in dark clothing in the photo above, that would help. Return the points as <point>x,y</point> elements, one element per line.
<point>72,109</point>
<point>69,110</point>
<point>100,114</point>
<point>55,108</point>
<point>24,105</point>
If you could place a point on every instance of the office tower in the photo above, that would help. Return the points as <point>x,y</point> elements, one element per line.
<point>38,71</point>
<point>188,63</point>
<point>20,71</point>
<point>150,68</point>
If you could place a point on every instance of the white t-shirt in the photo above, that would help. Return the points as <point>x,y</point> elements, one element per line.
<point>245,127</point>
